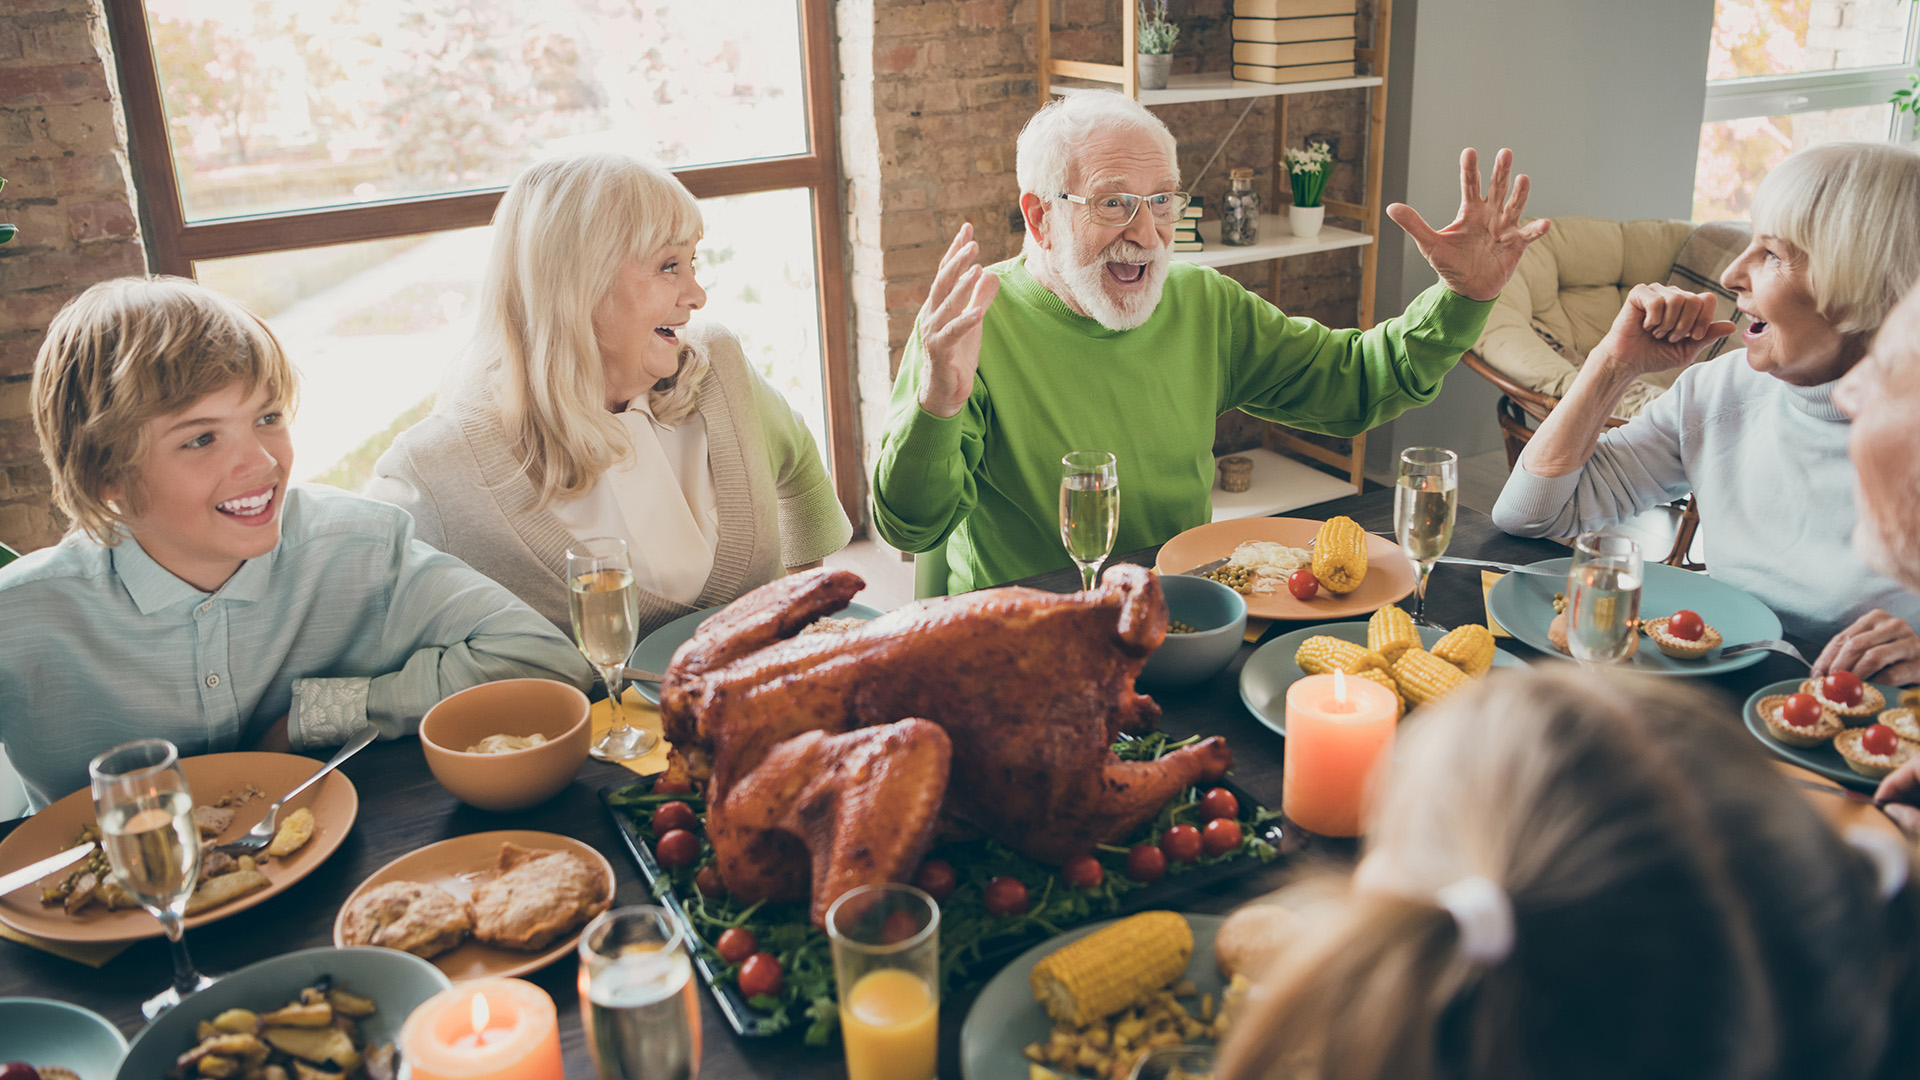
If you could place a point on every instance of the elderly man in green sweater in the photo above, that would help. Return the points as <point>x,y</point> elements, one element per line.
<point>1093,339</point>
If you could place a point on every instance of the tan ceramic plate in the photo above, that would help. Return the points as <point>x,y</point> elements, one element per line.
<point>457,865</point>
<point>210,777</point>
<point>1390,575</point>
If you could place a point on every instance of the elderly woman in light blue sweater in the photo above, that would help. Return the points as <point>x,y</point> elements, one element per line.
<point>1754,434</point>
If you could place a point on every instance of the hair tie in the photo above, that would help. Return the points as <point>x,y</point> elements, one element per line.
<point>1886,852</point>
<point>1485,917</point>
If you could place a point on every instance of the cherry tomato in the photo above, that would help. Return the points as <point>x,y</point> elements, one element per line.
<point>936,878</point>
<point>1006,896</point>
<point>761,974</point>
<point>673,815</point>
<point>1219,803</point>
<point>1220,836</point>
<point>1181,842</point>
<point>1083,872</point>
<point>677,848</point>
<point>1146,864</point>
<point>1303,585</point>
<point>1801,710</point>
<point>18,1070</point>
<point>1879,739</point>
<point>1686,625</point>
<point>1843,688</point>
<point>736,945</point>
<point>899,926</point>
<point>710,883</point>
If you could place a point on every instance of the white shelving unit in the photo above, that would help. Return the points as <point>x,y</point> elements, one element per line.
<point>1277,242</point>
<point>1279,484</point>
<point>1215,86</point>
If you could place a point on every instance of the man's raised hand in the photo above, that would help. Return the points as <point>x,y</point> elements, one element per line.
<point>950,323</point>
<point>1476,254</point>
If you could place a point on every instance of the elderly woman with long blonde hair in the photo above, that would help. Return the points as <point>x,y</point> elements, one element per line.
<point>1755,434</point>
<point>592,404</point>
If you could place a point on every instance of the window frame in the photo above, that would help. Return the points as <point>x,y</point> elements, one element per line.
<point>174,244</point>
<point>1818,91</point>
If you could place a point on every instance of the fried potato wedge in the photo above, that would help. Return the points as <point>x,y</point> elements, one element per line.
<point>293,835</point>
<point>227,887</point>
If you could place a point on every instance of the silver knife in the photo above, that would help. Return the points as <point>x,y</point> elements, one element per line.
<point>634,674</point>
<point>1205,567</point>
<point>1503,567</point>
<point>33,872</point>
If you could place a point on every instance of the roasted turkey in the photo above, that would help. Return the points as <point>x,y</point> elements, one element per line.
<point>831,760</point>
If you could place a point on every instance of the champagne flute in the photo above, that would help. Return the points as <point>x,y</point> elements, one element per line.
<point>1424,499</point>
<point>145,810</point>
<point>1089,509</point>
<point>1603,598</point>
<point>637,998</point>
<point>606,612</point>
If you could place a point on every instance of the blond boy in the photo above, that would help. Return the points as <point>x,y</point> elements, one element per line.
<point>203,597</point>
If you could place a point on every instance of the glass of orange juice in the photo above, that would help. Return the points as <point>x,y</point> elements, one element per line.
<point>886,961</point>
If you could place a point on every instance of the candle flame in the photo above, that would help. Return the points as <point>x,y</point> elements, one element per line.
<point>480,1014</point>
<point>1339,686</point>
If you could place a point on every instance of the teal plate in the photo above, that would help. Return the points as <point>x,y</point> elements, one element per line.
<point>1005,1019</point>
<point>1270,670</point>
<point>1523,604</point>
<point>1823,759</point>
<point>656,652</point>
<point>41,1032</point>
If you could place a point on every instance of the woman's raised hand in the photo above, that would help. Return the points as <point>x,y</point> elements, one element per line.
<point>1477,252</point>
<point>1659,328</point>
<point>950,325</point>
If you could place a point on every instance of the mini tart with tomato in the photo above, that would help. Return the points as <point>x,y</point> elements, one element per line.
<point>1871,702</point>
<point>1678,647</point>
<point>1771,709</point>
<point>1557,635</point>
<point>1871,766</point>
<point>1905,722</point>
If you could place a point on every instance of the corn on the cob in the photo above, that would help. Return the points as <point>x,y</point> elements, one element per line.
<point>1424,677</point>
<point>1110,969</point>
<point>1321,654</point>
<point>1468,647</point>
<point>1391,631</point>
<point>1340,555</point>
<point>1386,680</point>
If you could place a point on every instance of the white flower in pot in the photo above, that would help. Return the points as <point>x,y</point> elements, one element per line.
<point>1307,171</point>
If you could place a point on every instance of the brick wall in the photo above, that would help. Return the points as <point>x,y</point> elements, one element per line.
<point>934,94</point>
<point>63,151</point>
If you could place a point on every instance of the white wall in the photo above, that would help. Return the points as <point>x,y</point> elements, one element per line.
<point>1600,101</point>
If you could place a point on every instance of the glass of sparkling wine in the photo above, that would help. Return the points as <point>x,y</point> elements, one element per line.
<point>606,611</point>
<point>146,824</point>
<point>638,1002</point>
<point>886,966</point>
<point>1423,504</point>
<point>1089,509</point>
<point>1603,598</point>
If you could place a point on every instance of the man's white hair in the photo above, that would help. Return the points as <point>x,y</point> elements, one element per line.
<point>1043,159</point>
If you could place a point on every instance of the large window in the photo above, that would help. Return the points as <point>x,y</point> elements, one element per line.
<point>334,164</point>
<point>1784,74</point>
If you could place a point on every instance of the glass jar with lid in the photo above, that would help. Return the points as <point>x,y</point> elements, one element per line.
<point>1240,214</point>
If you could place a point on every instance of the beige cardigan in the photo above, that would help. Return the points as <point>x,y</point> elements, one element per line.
<point>460,478</point>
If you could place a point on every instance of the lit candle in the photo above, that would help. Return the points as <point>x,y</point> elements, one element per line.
<point>502,1029</point>
<point>1338,733</point>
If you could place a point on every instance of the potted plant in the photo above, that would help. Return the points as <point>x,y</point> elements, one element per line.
<point>6,231</point>
<point>1307,170</point>
<point>1156,37</point>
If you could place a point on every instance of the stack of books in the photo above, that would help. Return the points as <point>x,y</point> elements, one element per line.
<point>1186,231</point>
<point>1287,41</point>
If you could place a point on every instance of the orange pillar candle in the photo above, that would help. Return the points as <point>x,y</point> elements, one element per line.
<point>1338,733</point>
<point>501,1029</point>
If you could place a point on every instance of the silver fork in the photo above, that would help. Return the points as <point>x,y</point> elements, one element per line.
<point>261,835</point>
<point>1764,645</point>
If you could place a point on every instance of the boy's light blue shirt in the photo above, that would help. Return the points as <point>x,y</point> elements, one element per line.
<point>348,620</point>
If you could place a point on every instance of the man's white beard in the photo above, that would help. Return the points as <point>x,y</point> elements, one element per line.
<point>1087,282</point>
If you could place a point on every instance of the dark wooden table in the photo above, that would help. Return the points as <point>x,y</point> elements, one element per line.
<point>402,808</point>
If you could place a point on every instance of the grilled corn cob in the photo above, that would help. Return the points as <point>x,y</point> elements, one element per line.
<point>1386,680</point>
<point>1468,647</point>
<point>1391,631</point>
<point>1110,969</point>
<point>1340,555</point>
<point>1321,654</point>
<point>1424,677</point>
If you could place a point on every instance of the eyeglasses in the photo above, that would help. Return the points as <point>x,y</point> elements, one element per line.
<point>1119,208</point>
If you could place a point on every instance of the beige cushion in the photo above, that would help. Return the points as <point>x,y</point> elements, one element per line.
<point>1566,291</point>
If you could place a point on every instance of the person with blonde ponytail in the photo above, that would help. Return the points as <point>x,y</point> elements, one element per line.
<point>591,403</point>
<point>1572,876</point>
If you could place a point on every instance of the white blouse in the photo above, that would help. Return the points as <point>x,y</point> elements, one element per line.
<point>661,501</point>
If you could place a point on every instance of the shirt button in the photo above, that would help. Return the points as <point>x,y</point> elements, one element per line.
<point>206,607</point>
<point>213,680</point>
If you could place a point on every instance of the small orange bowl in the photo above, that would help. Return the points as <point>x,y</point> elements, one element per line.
<point>516,779</point>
